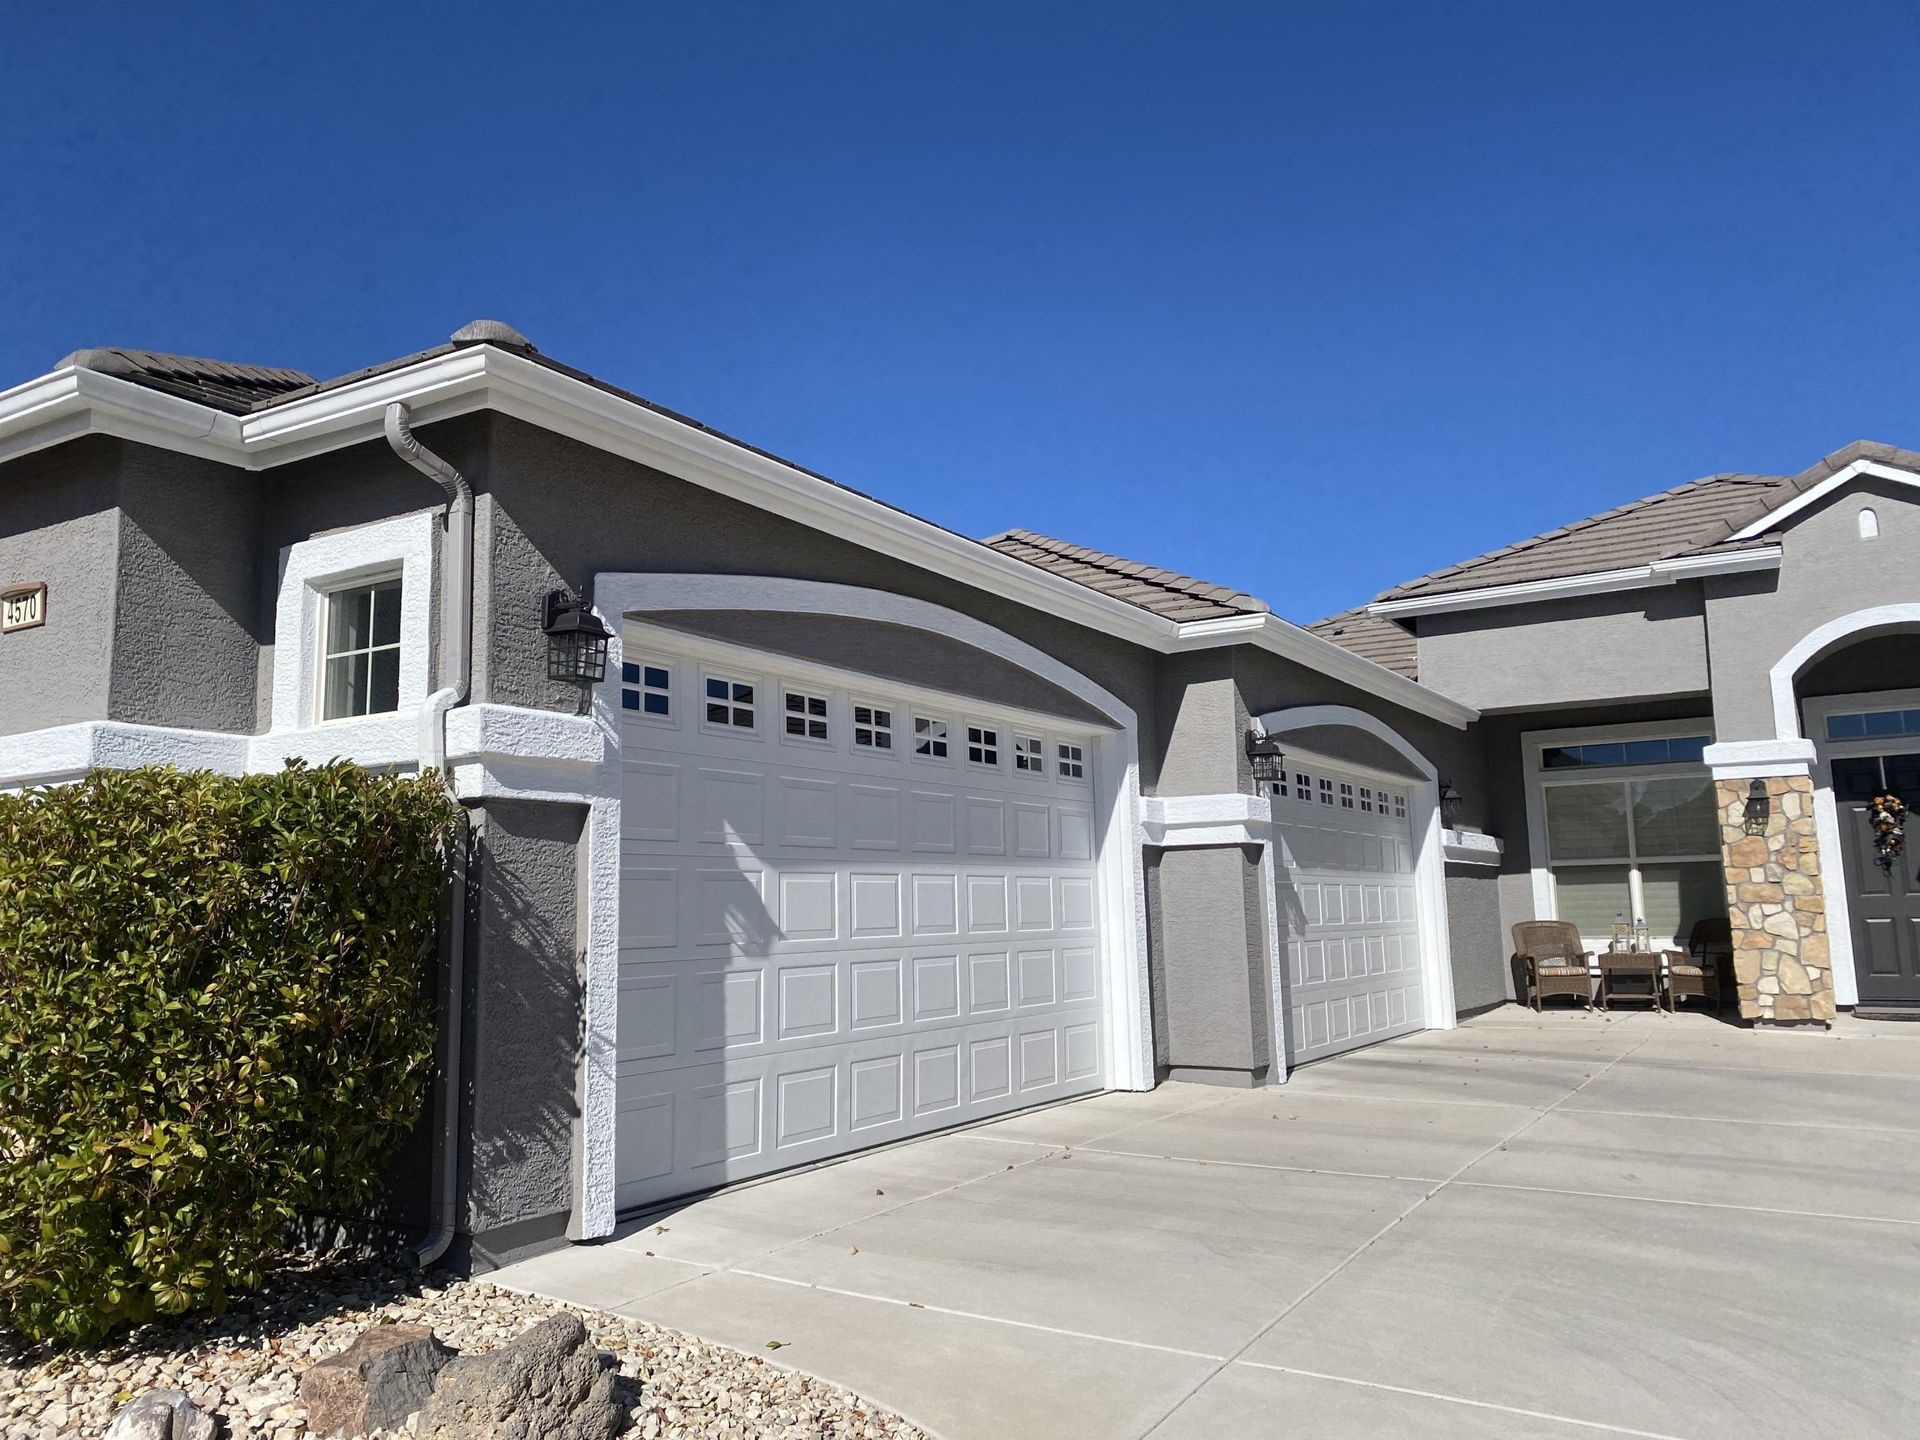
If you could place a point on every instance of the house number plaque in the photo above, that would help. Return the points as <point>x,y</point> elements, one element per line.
<point>23,606</point>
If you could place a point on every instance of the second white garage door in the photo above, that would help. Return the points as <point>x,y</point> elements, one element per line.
<point>850,911</point>
<point>1347,908</point>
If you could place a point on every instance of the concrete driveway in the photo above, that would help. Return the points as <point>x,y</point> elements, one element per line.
<point>1643,1225</point>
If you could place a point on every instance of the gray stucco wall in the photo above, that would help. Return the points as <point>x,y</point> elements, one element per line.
<point>1561,652</point>
<point>1826,571</point>
<point>1208,970</point>
<point>1201,724</point>
<point>188,622</point>
<point>1480,949</point>
<point>524,1027</point>
<point>555,512</point>
<point>59,522</point>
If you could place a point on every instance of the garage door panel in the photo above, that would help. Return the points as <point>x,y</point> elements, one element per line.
<point>1353,967</point>
<point>825,946</point>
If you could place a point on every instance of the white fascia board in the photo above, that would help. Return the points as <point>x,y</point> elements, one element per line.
<point>1859,469</point>
<point>1275,635</point>
<point>436,389</point>
<point>72,402</point>
<point>1595,582</point>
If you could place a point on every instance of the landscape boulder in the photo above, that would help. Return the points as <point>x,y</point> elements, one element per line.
<point>163,1415</point>
<point>548,1384</point>
<point>375,1383</point>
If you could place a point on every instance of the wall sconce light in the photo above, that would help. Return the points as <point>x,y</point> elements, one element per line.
<point>1268,760</point>
<point>1759,807</point>
<point>576,642</point>
<point>1450,803</point>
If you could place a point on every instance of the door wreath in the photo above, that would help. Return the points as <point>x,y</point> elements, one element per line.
<point>1888,815</point>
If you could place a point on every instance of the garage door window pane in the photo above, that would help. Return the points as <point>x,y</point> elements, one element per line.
<point>1592,895</point>
<point>1675,817</point>
<point>1678,895</point>
<point>1587,822</point>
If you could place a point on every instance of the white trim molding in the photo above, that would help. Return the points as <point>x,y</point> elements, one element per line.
<point>61,753</point>
<point>1786,711</point>
<point>619,597</point>
<point>1594,582</point>
<point>1175,822</point>
<point>1858,470</point>
<point>1750,759</point>
<point>309,569</point>
<point>1429,865</point>
<point>1471,847</point>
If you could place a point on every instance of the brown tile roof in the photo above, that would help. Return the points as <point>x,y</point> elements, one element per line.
<point>1164,592</point>
<point>222,384</point>
<point>1373,638</point>
<point>1699,516</point>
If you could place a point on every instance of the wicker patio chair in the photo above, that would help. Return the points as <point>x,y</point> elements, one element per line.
<point>1555,961</point>
<point>1697,973</point>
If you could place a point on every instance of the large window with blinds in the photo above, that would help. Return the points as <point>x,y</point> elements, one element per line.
<point>1634,842</point>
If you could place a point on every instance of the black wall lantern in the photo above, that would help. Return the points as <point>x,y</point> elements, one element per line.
<point>1268,760</point>
<point>1450,803</point>
<point>576,642</point>
<point>1759,807</point>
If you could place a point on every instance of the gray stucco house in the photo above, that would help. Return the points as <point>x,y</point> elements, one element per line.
<point>871,828</point>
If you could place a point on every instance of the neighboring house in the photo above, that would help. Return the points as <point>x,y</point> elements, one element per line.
<point>871,828</point>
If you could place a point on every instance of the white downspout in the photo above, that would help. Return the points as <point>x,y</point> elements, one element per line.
<point>456,673</point>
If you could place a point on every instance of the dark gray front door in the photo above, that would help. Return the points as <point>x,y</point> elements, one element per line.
<point>1885,903</point>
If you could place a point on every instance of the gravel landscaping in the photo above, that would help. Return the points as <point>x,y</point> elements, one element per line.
<point>245,1366</point>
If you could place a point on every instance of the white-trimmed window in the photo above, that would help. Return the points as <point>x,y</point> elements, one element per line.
<point>806,716</point>
<point>1346,796</point>
<point>1366,798</point>
<point>647,688</point>
<point>983,745</point>
<point>1029,755</point>
<point>1302,786</point>
<point>730,703</point>
<point>873,728</point>
<point>1071,761</point>
<point>929,738</point>
<point>1399,807</point>
<point>360,659</point>
<point>1629,829</point>
<point>1326,791</point>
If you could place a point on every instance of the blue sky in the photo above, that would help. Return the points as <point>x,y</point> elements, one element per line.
<point>1306,299</point>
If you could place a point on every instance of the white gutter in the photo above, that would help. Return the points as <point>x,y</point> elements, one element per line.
<point>1594,582</point>
<point>456,670</point>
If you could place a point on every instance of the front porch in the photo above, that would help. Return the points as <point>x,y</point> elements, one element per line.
<point>1529,1226</point>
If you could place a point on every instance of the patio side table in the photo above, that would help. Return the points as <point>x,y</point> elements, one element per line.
<point>1633,964</point>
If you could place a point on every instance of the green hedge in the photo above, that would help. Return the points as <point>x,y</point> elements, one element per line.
<point>216,1021</point>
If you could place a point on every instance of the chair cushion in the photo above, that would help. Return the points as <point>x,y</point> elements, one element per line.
<point>1560,971</point>
<point>1694,970</point>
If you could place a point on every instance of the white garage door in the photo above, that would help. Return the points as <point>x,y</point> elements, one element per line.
<point>1347,908</point>
<point>849,912</point>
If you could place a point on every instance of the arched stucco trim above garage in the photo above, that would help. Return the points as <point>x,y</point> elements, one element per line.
<point>620,597</point>
<point>1429,863</point>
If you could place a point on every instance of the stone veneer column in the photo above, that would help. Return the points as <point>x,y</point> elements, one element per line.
<point>1777,904</point>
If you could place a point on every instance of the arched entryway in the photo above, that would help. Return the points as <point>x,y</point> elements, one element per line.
<point>1852,689</point>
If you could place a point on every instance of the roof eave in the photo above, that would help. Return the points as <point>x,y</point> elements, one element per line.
<point>1598,582</point>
